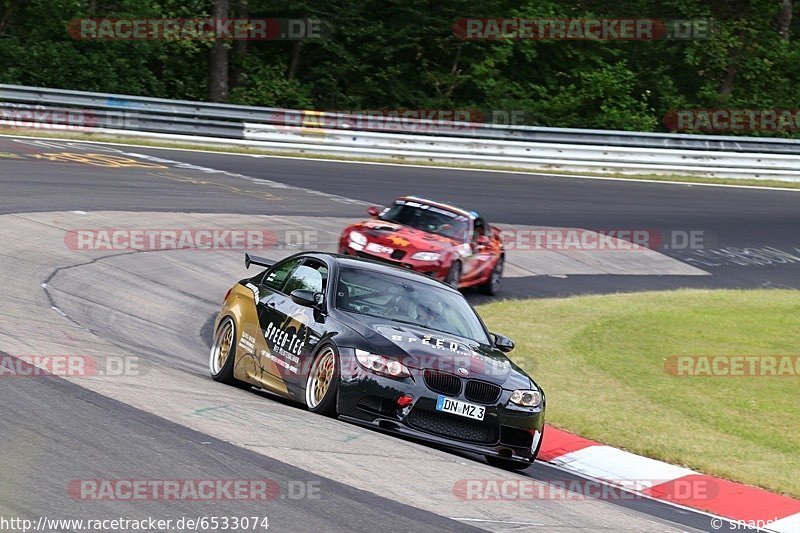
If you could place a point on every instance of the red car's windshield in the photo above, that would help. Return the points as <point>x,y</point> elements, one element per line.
<point>428,218</point>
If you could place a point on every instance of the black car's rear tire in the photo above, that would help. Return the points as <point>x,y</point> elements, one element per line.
<point>454,276</point>
<point>322,384</point>
<point>222,358</point>
<point>492,285</point>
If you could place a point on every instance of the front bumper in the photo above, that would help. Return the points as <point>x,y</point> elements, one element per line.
<point>507,431</point>
<point>434,269</point>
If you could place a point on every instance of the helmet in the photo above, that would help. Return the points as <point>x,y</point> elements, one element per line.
<point>428,310</point>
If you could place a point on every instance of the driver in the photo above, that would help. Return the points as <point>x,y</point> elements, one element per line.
<point>428,313</point>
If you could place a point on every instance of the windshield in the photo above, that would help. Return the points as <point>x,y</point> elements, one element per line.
<point>428,218</point>
<point>382,295</point>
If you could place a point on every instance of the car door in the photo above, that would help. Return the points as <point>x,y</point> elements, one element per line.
<point>265,371</point>
<point>480,260</point>
<point>292,331</point>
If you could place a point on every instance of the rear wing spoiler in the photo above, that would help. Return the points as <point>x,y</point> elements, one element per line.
<point>255,260</point>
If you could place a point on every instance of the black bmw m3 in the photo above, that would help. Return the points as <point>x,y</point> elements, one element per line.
<point>379,346</point>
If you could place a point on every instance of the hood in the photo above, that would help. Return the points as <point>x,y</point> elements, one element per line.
<point>421,348</point>
<point>400,237</point>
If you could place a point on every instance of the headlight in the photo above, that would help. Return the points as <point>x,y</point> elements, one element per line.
<point>381,365</point>
<point>358,238</point>
<point>426,256</point>
<point>526,398</point>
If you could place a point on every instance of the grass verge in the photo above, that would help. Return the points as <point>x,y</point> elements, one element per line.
<point>138,141</point>
<point>601,361</point>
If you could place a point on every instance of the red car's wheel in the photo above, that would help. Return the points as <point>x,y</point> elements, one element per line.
<point>492,285</point>
<point>454,276</point>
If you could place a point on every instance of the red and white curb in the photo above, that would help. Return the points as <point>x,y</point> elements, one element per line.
<point>734,501</point>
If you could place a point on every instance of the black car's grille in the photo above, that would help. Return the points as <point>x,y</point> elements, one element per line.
<point>452,426</point>
<point>482,392</point>
<point>442,382</point>
<point>476,391</point>
<point>398,254</point>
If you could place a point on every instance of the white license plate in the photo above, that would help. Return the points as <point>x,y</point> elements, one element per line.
<point>457,407</point>
<point>379,248</point>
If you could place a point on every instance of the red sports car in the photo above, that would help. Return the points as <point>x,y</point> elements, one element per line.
<point>443,241</point>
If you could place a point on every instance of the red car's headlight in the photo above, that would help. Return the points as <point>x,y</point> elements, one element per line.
<point>426,256</point>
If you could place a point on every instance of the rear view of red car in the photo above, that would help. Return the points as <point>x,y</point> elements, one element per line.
<point>443,241</point>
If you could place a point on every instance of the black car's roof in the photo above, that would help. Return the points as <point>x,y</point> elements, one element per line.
<point>376,266</point>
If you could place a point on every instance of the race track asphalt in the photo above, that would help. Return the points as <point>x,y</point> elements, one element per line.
<point>55,430</point>
<point>744,237</point>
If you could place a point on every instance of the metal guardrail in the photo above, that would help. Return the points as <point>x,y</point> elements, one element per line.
<point>519,149</point>
<point>352,135</point>
<point>134,120</point>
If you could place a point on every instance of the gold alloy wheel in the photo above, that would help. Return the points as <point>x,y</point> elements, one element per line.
<point>221,349</point>
<point>320,377</point>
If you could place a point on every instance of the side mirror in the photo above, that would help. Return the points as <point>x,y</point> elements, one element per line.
<point>483,240</point>
<point>306,298</point>
<point>502,343</point>
<point>374,211</point>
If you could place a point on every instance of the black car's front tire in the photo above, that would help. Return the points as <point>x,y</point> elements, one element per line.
<point>222,358</point>
<point>322,385</point>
